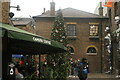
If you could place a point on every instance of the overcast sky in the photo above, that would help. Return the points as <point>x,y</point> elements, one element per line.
<point>35,7</point>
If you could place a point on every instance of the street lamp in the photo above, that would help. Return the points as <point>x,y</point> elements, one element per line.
<point>11,14</point>
<point>18,7</point>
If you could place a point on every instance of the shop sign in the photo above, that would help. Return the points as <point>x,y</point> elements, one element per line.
<point>11,69</point>
<point>41,40</point>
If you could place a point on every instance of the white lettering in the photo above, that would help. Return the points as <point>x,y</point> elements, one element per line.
<point>42,40</point>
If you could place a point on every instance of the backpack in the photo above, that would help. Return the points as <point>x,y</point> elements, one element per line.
<point>84,68</point>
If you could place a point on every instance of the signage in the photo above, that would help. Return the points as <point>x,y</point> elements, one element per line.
<point>11,69</point>
<point>42,40</point>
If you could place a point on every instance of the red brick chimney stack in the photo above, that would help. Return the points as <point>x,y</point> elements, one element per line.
<point>52,8</point>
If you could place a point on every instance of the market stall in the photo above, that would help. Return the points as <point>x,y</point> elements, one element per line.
<point>14,40</point>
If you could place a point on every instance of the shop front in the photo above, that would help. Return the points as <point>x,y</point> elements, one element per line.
<point>17,41</point>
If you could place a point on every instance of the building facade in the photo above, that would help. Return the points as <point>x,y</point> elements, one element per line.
<point>26,24</point>
<point>112,36</point>
<point>114,22</point>
<point>84,33</point>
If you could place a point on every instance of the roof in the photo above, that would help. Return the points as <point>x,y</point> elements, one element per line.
<point>21,21</point>
<point>72,13</point>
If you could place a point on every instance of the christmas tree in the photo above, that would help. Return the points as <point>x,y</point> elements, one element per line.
<point>58,31</point>
<point>59,63</point>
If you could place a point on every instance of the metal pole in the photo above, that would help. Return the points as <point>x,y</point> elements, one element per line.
<point>39,65</point>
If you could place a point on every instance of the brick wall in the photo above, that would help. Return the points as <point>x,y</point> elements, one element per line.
<point>4,11</point>
<point>80,44</point>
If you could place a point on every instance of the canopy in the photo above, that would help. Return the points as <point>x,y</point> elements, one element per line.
<point>23,41</point>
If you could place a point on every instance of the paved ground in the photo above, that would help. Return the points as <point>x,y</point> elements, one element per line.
<point>96,76</point>
<point>100,75</point>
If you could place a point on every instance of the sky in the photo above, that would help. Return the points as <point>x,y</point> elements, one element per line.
<point>35,7</point>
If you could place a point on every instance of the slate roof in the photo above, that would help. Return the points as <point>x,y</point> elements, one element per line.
<point>21,21</point>
<point>72,13</point>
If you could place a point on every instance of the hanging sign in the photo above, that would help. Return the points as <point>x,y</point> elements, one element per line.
<point>11,69</point>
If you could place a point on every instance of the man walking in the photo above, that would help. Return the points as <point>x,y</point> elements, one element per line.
<point>83,69</point>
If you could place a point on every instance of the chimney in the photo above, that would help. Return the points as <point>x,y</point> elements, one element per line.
<point>43,10</point>
<point>52,8</point>
<point>101,9</point>
<point>4,11</point>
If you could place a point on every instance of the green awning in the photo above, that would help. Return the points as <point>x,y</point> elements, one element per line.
<point>33,39</point>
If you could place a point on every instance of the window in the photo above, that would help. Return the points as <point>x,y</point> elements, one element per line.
<point>92,51</point>
<point>93,30</point>
<point>71,50</point>
<point>71,29</point>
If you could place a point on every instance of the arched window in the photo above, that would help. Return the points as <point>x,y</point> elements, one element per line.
<point>71,50</point>
<point>91,50</point>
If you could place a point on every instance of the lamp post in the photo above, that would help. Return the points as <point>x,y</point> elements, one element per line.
<point>11,14</point>
<point>17,7</point>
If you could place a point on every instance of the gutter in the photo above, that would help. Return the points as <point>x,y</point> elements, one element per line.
<point>36,17</point>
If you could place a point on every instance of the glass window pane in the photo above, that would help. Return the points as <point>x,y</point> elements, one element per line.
<point>93,30</point>
<point>91,50</point>
<point>71,29</point>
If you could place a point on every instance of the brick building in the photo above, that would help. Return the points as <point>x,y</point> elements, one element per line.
<point>26,24</point>
<point>114,29</point>
<point>84,33</point>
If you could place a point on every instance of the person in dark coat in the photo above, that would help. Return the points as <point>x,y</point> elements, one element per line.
<point>83,69</point>
<point>18,75</point>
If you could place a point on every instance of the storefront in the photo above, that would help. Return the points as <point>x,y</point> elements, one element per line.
<point>17,41</point>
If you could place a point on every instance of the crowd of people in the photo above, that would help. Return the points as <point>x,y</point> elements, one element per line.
<point>80,69</point>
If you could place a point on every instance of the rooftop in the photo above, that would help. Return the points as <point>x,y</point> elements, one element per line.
<point>72,13</point>
<point>21,21</point>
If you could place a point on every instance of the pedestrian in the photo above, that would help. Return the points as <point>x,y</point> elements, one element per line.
<point>83,69</point>
<point>18,75</point>
<point>75,68</point>
<point>72,68</point>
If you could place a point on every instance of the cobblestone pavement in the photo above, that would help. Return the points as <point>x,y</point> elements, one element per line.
<point>96,76</point>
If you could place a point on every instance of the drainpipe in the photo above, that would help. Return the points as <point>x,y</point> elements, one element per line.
<point>101,50</point>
